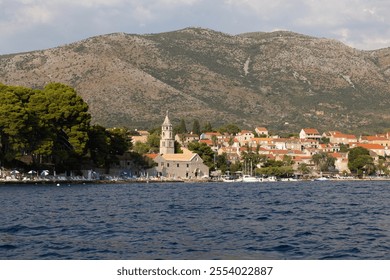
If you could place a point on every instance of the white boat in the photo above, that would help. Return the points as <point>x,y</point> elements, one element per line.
<point>228,179</point>
<point>321,179</point>
<point>272,179</point>
<point>249,179</point>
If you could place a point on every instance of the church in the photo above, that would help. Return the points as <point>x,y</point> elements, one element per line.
<point>187,165</point>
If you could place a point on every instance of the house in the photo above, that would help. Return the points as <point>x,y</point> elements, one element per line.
<point>142,137</point>
<point>185,138</point>
<point>336,137</point>
<point>341,162</point>
<point>309,143</point>
<point>262,142</point>
<point>244,136</point>
<point>380,140</point>
<point>310,133</point>
<point>210,135</point>
<point>376,148</point>
<point>262,131</point>
<point>280,143</point>
<point>232,153</point>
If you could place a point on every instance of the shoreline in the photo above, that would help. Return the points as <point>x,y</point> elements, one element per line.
<point>145,181</point>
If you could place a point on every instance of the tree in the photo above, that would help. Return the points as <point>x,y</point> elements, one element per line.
<point>106,144</point>
<point>141,148</point>
<point>231,129</point>
<point>154,142</point>
<point>208,127</point>
<point>16,122</point>
<point>360,161</point>
<point>382,167</point>
<point>324,161</point>
<point>182,127</point>
<point>222,163</point>
<point>63,121</point>
<point>344,148</point>
<point>279,168</point>
<point>196,127</point>
<point>204,151</point>
<point>304,169</point>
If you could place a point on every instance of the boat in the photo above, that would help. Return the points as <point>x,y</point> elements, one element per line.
<point>228,179</point>
<point>249,179</point>
<point>321,179</point>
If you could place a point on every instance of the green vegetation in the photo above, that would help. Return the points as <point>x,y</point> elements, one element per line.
<point>360,161</point>
<point>51,128</point>
<point>205,152</point>
<point>279,168</point>
<point>324,162</point>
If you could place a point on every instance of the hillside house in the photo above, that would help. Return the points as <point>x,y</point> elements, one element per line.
<point>376,148</point>
<point>262,142</point>
<point>309,144</point>
<point>380,140</point>
<point>309,133</point>
<point>232,153</point>
<point>142,137</point>
<point>336,137</point>
<point>185,138</point>
<point>244,137</point>
<point>262,131</point>
<point>210,135</point>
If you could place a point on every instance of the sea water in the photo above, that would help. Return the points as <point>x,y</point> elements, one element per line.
<point>274,220</point>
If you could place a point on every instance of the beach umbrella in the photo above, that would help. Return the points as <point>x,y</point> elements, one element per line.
<point>14,172</point>
<point>32,172</point>
<point>45,173</point>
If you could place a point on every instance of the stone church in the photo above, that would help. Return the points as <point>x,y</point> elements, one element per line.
<point>187,165</point>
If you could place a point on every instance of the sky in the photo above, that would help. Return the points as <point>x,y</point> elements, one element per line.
<point>27,25</point>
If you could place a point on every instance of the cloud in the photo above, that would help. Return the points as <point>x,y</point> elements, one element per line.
<point>49,23</point>
<point>362,24</point>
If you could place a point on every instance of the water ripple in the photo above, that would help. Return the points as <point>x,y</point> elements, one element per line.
<point>298,220</point>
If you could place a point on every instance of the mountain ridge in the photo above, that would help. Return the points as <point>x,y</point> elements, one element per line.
<point>282,80</point>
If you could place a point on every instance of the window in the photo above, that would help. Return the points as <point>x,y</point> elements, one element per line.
<point>167,164</point>
<point>188,165</point>
<point>178,165</point>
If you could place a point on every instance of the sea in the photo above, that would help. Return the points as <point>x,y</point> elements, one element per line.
<point>307,220</point>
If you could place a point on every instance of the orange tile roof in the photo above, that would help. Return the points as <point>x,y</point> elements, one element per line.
<point>346,136</point>
<point>374,138</point>
<point>370,146</point>
<point>311,131</point>
<point>152,156</point>
<point>206,141</point>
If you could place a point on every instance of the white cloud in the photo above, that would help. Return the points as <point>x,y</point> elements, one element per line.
<point>36,14</point>
<point>359,23</point>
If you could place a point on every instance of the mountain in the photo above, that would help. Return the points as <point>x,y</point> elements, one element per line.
<point>281,80</point>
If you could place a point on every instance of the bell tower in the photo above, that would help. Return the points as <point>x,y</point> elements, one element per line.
<point>167,142</point>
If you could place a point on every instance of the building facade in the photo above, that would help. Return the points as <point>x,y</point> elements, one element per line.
<point>186,165</point>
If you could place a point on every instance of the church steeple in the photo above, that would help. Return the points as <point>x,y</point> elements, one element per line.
<point>167,142</point>
<point>167,121</point>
